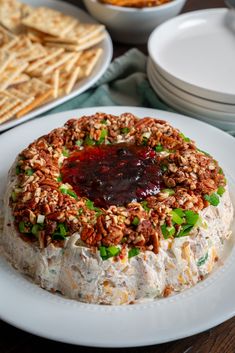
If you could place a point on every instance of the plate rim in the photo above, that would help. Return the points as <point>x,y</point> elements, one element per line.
<point>138,111</point>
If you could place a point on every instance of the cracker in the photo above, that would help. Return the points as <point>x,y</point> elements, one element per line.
<point>5,36</point>
<point>71,63</point>
<point>92,62</point>
<point>36,51</point>
<point>50,21</point>
<point>40,62</point>
<point>12,13</point>
<point>72,80</point>
<point>21,79</point>
<point>9,104</point>
<point>50,68</point>
<point>10,74</point>
<point>79,34</point>
<point>86,45</point>
<point>5,59</point>
<point>34,87</point>
<point>15,110</point>
<point>42,98</point>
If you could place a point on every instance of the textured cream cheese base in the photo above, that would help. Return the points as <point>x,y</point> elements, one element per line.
<point>80,274</point>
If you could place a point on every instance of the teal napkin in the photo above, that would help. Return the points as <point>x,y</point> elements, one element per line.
<point>124,83</point>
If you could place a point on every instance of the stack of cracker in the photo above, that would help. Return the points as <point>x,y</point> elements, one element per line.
<point>43,55</point>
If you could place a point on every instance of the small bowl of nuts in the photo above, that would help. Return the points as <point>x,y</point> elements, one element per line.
<point>132,21</point>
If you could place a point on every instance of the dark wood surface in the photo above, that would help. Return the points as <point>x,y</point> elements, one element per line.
<point>220,339</point>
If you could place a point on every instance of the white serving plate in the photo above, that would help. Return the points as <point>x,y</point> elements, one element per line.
<point>190,108</point>
<point>35,310</point>
<point>196,52</point>
<point>190,98</point>
<point>84,84</point>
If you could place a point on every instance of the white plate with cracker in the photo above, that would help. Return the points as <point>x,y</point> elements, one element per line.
<point>207,304</point>
<point>49,53</point>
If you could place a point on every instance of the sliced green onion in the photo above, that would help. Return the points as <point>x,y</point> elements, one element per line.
<point>125,130</point>
<point>88,141</point>
<point>36,228</point>
<point>145,141</point>
<point>59,179</point>
<point>191,217</point>
<point>60,232</point>
<point>29,172</point>
<point>90,205</point>
<point>169,191</point>
<point>111,251</point>
<point>213,199</point>
<point>159,148</point>
<point>104,133</point>
<point>179,212</point>
<point>164,167</point>
<point>167,231</point>
<point>185,230</point>
<point>144,204</point>
<point>124,239</point>
<point>78,143</point>
<point>186,139</point>
<point>176,218</point>
<point>80,211</point>
<point>65,152</point>
<point>104,122</point>
<point>202,260</point>
<point>133,252</point>
<point>22,227</point>
<point>135,221</point>
<point>72,193</point>
<point>18,170</point>
<point>221,190</point>
<point>221,171</point>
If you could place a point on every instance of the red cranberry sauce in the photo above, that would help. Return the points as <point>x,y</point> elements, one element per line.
<point>113,174</point>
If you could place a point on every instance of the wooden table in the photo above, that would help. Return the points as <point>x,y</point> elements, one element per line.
<point>221,339</point>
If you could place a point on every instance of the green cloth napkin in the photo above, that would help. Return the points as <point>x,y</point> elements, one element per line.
<point>124,83</point>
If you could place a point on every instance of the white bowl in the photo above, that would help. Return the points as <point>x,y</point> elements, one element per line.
<point>131,25</point>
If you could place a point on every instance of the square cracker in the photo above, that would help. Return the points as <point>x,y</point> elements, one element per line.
<point>50,21</point>
<point>11,14</point>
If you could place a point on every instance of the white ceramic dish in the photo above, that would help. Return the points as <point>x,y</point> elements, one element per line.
<point>204,103</point>
<point>171,100</point>
<point>194,108</point>
<point>83,85</point>
<point>196,51</point>
<point>207,304</point>
<point>130,25</point>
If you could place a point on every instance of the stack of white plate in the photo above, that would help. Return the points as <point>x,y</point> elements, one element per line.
<point>191,65</point>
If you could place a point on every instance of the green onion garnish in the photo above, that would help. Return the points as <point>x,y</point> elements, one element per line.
<point>59,179</point>
<point>176,217</point>
<point>135,221</point>
<point>125,130</point>
<point>221,171</point>
<point>22,227</point>
<point>144,204</point>
<point>78,143</point>
<point>66,191</point>
<point>191,217</point>
<point>213,199</point>
<point>60,232</point>
<point>164,167</point>
<point>80,211</point>
<point>133,252</point>
<point>169,191</point>
<point>90,205</point>
<point>18,170</point>
<point>104,122</point>
<point>88,141</point>
<point>72,193</point>
<point>185,230</point>
<point>13,196</point>
<point>145,141</point>
<point>167,231</point>
<point>108,252</point>
<point>202,260</point>
<point>29,172</point>
<point>65,152</point>
<point>159,148</point>
<point>186,139</point>
<point>206,153</point>
<point>221,190</point>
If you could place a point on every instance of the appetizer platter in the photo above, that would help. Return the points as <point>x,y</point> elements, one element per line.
<point>75,225</point>
<point>49,53</point>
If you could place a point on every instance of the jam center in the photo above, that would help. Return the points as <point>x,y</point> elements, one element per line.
<point>113,174</point>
